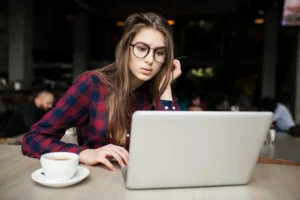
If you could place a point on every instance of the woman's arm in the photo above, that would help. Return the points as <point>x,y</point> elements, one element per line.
<point>167,100</point>
<point>45,135</point>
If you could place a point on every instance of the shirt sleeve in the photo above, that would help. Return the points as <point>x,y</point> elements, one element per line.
<point>277,113</point>
<point>45,135</point>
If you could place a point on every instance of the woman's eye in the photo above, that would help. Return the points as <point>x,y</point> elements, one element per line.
<point>141,48</point>
<point>160,53</point>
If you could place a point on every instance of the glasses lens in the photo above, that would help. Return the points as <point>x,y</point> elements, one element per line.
<point>160,55</point>
<point>140,50</point>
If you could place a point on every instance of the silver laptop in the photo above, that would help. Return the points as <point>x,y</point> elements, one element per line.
<point>170,149</point>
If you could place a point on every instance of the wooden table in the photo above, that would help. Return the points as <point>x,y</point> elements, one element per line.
<point>268,182</point>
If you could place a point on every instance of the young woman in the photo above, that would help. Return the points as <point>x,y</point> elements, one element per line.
<point>100,103</point>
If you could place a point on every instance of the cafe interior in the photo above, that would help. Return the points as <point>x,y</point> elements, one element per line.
<point>233,54</point>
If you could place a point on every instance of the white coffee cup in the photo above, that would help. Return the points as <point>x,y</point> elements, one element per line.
<point>59,166</point>
<point>272,133</point>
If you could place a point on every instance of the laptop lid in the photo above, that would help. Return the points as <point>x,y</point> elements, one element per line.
<point>188,149</point>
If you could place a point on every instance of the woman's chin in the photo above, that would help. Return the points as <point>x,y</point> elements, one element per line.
<point>143,77</point>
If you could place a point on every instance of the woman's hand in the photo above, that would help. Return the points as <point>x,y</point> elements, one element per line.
<point>176,70</point>
<point>104,154</point>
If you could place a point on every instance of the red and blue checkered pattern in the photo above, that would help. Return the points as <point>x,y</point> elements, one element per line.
<point>84,107</point>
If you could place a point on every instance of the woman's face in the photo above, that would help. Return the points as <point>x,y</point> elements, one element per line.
<point>147,55</point>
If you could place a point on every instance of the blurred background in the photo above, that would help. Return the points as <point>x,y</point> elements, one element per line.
<point>237,51</point>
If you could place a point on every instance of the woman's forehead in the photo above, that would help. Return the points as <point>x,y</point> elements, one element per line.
<point>151,37</point>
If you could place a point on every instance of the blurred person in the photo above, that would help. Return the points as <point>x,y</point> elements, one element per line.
<point>197,103</point>
<point>224,105</point>
<point>100,103</point>
<point>246,87</point>
<point>28,114</point>
<point>282,119</point>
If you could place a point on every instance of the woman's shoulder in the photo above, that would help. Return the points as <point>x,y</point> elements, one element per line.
<point>92,77</point>
<point>93,82</point>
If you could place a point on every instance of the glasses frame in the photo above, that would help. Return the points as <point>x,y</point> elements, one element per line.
<point>154,51</point>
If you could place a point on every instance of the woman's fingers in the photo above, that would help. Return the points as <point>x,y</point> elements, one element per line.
<point>114,153</point>
<point>123,153</point>
<point>102,155</point>
<point>121,150</point>
<point>107,163</point>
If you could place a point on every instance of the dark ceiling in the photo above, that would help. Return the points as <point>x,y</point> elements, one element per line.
<point>121,8</point>
<point>168,8</point>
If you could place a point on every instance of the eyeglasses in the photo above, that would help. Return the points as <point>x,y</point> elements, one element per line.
<point>142,50</point>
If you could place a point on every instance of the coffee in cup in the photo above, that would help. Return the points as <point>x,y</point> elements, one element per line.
<point>59,166</point>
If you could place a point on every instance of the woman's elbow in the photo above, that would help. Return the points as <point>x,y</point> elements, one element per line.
<point>26,145</point>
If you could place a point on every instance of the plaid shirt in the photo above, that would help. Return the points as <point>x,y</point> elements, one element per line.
<point>84,107</point>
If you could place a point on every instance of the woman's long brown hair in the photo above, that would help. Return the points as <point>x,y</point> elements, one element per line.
<point>117,75</point>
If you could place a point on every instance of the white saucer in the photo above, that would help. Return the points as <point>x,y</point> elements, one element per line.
<point>40,178</point>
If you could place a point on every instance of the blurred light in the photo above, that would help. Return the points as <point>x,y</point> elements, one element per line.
<point>120,23</point>
<point>202,22</point>
<point>261,12</point>
<point>200,72</point>
<point>259,21</point>
<point>171,22</point>
<point>191,23</point>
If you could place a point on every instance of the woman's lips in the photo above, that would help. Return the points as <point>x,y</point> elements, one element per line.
<point>146,71</point>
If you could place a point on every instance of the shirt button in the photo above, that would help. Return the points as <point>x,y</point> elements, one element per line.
<point>166,107</point>
<point>173,108</point>
<point>128,135</point>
